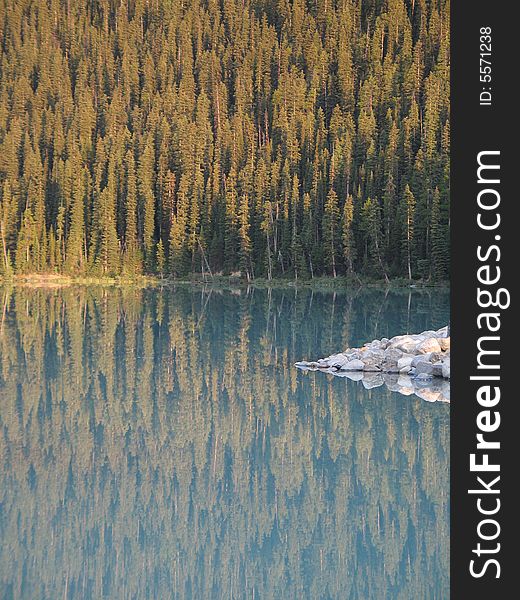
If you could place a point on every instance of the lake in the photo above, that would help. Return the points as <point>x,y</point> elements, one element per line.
<point>159,443</point>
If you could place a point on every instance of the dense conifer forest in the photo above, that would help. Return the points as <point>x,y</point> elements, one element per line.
<point>275,138</point>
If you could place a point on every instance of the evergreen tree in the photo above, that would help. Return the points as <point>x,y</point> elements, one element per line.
<point>160,260</point>
<point>76,240</point>
<point>349,249</point>
<point>331,231</point>
<point>408,211</point>
<point>440,242</point>
<point>7,226</point>
<point>245,240</point>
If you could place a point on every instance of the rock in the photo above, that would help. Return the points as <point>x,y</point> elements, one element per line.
<point>405,344</point>
<point>428,345</point>
<point>446,368</point>
<point>437,369</point>
<point>354,365</point>
<point>421,358</point>
<point>444,343</point>
<point>405,361</point>
<point>429,334</point>
<point>371,364</point>
<point>407,364</point>
<point>390,360</point>
<point>307,365</point>
<point>390,368</point>
<point>375,353</point>
<point>424,368</point>
<point>338,361</point>
<point>393,354</point>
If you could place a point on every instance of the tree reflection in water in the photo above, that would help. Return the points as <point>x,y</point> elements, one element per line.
<point>160,444</point>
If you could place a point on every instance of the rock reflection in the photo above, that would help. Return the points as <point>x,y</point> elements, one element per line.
<point>431,389</point>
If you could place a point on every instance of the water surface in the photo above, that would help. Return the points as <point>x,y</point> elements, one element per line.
<point>160,444</point>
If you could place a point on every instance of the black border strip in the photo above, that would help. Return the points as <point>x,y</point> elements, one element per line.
<point>477,128</point>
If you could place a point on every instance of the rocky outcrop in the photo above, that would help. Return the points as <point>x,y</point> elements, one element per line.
<point>416,364</point>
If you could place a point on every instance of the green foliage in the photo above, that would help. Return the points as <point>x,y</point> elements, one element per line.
<point>220,129</point>
<point>331,231</point>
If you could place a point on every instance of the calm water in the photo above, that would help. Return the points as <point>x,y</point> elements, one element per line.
<point>160,444</point>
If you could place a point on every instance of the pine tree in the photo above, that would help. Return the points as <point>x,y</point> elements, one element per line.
<point>331,231</point>
<point>244,237</point>
<point>349,249</point>
<point>8,210</point>
<point>160,260</point>
<point>178,231</point>
<point>372,229</point>
<point>440,241</point>
<point>408,211</point>
<point>108,256</point>
<point>75,254</point>
<point>146,191</point>
<point>231,238</point>
<point>132,262</point>
<point>308,229</point>
<point>25,245</point>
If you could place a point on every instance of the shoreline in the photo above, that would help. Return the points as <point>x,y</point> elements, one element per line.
<point>325,283</point>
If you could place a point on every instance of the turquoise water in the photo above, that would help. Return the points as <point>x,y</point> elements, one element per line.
<point>160,444</point>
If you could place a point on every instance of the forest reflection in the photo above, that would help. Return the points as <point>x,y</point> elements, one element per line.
<point>158,443</point>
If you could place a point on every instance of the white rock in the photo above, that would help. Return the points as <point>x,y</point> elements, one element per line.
<point>371,364</point>
<point>446,368</point>
<point>444,343</point>
<point>428,345</point>
<point>419,358</point>
<point>406,344</point>
<point>405,361</point>
<point>353,365</point>
<point>424,368</point>
<point>429,334</point>
<point>338,361</point>
<point>437,369</point>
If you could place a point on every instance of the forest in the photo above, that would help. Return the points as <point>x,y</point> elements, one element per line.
<point>261,138</point>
